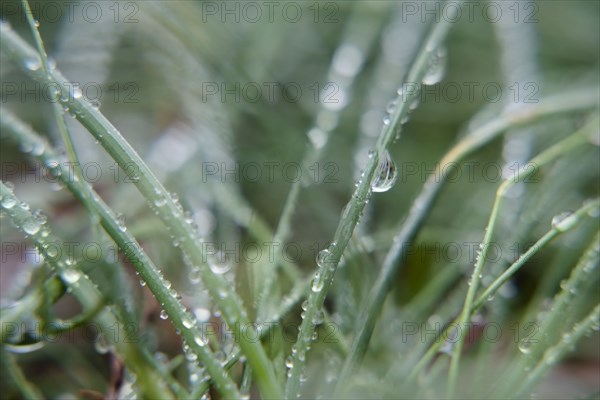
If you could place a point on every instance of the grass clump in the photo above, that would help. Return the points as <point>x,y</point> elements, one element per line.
<point>338,237</point>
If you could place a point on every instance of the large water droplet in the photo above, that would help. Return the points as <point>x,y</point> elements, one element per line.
<point>437,67</point>
<point>386,174</point>
<point>163,314</point>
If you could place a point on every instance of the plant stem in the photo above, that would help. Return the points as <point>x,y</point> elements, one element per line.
<point>167,209</point>
<point>13,372</point>
<point>579,215</point>
<point>583,279</point>
<point>168,298</point>
<point>555,353</point>
<point>574,140</point>
<point>151,382</point>
<point>408,229</point>
<point>354,208</point>
<point>56,107</point>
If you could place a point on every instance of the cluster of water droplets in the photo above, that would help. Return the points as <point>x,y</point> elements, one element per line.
<point>35,224</point>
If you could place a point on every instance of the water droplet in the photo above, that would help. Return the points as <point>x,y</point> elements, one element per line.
<point>304,305</point>
<point>163,314</point>
<point>101,345</point>
<point>437,67</point>
<point>121,222</point>
<point>187,322</point>
<point>194,275</point>
<point>317,283</point>
<point>32,226</point>
<point>289,362</point>
<point>77,93</point>
<point>323,257</point>
<point>386,174</point>
<point>200,340</point>
<point>191,356</point>
<point>318,318</point>
<point>391,107</point>
<point>8,202</point>
<point>33,64</point>
<point>71,275</point>
<point>525,346</point>
<point>564,221</point>
<point>219,266</point>
<point>52,251</point>
<point>386,120</point>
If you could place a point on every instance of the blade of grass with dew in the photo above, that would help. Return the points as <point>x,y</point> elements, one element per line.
<point>59,116</point>
<point>555,353</point>
<point>583,276</point>
<point>567,102</point>
<point>574,140</point>
<point>151,382</point>
<point>148,272</point>
<point>330,258</point>
<point>539,245</point>
<point>167,209</point>
<point>56,107</point>
<point>343,73</point>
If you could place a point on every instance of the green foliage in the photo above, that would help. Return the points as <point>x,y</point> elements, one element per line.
<point>333,199</point>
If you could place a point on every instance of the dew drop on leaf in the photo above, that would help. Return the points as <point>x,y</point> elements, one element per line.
<point>289,362</point>
<point>32,226</point>
<point>71,276</point>
<point>163,314</point>
<point>322,257</point>
<point>8,202</point>
<point>564,221</point>
<point>386,174</point>
<point>437,67</point>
